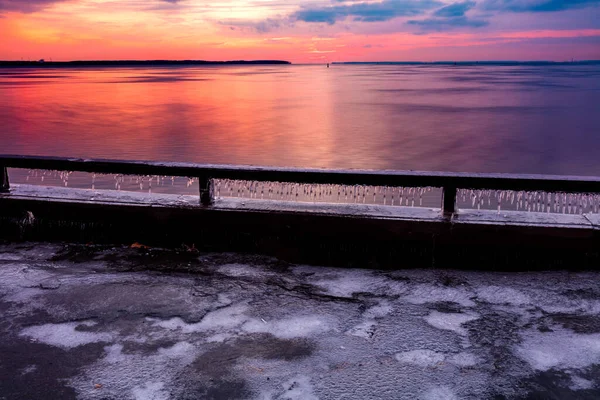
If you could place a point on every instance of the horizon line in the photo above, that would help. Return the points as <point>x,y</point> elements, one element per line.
<point>43,61</point>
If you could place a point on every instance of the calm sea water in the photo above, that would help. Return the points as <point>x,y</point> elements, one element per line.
<point>521,119</point>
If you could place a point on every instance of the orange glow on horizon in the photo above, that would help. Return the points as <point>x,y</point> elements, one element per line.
<point>92,30</point>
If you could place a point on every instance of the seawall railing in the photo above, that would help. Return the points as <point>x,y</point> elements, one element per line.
<point>449,182</point>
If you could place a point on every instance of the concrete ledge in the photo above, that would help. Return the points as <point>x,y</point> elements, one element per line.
<point>107,197</point>
<point>525,219</point>
<point>594,220</point>
<point>317,233</point>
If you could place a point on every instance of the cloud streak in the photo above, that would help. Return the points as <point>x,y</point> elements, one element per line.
<point>264,26</point>
<point>537,5</point>
<point>450,17</point>
<point>366,12</point>
<point>442,24</point>
<point>455,10</point>
<point>26,6</point>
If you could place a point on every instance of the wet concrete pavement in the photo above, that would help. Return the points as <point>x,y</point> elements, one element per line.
<point>91,322</point>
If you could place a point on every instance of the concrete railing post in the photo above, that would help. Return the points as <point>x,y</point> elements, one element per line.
<point>205,191</point>
<point>4,184</point>
<point>448,200</point>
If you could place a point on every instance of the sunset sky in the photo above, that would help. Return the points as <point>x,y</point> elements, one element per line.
<point>300,30</point>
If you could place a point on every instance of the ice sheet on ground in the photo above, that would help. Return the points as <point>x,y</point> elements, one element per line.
<point>224,318</point>
<point>579,383</point>
<point>298,388</point>
<point>560,348</point>
<point>136,375</point>
<point>241,271</point>
<point>356,281</point>
<point>502,295</point>
<point>379,311</point>
<point>238,329</point>
<point>427,293</point>
<point>182,351</point>
<point>364,330</point>
<point>450,321</point>
<point>422,358</point>
<point>150,391</point>
<point>429,358</point>
<point>231,319</point>
<point>439,393</point>
<point>299,326</point>
<point>65,335</point>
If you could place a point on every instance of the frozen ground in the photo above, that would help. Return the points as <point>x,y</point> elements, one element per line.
<point>99,323</point>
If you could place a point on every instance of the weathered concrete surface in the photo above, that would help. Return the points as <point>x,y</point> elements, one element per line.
<point>91,322</point>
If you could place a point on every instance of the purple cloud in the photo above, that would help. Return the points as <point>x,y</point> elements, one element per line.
<point>26,6</point>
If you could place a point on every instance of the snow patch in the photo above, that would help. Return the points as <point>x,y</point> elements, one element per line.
<point>182,351</point>
<point>225,323</point>
<point>502,295</point>
<point>224,318</point>
<point>424,293</point>
<point>240,271</point>
<point>364,330</point>
<point>450,321</point>
<point>463,360</point>
<point>429,358</point>
<point>150,391</point>
<point>578,383</point>
<point>114,354</point>
<point>559,349</point>
<point>65,335</point>
<point>223,299</point>
<point>171,324</point>
<point>439,393</point>
<point>379,311</point>
<point>298,388</point>
<point>563,304</point>
<point>219,337</point>
<point>288,328</point>
<point>147,374</point>
<point>359,281</point>
<point>422,358</point>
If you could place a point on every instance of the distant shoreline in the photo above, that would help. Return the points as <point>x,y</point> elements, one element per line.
<point>491,63</point>
<point>134,63</point>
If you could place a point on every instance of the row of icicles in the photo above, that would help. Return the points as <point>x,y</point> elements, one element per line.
<point>531,201</point>
<point>141,181</point>
<point>320,192</point>
<point>148,180</point>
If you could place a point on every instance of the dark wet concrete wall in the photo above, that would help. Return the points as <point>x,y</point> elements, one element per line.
<point>340,240</point>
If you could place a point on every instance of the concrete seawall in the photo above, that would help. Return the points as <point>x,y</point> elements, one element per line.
<point>324,234</point>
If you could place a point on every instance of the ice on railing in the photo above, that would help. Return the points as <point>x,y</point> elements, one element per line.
<point>529,201</point>
<point>497,200</point>
<point>227,188</point>
<point>327,193</point>
<point>119,182</point>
